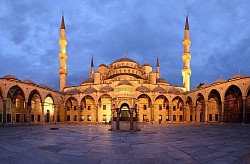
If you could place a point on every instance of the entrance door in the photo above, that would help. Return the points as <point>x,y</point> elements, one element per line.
<point>47,116</point>
<point>125,116</point>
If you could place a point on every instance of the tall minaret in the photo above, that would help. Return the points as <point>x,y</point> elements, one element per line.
<point>186,56</point>
<point>63,56</point>
<point>157,68</point>
<point>91,73</point>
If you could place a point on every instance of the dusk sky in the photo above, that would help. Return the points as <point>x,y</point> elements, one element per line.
<point>144,29</point>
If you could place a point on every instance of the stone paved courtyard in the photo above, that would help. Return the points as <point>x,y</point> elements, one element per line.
<point>94,143</point>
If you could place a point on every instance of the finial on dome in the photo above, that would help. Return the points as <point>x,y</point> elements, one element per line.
<point>125,54</point>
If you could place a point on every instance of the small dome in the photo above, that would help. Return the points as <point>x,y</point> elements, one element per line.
<point>204,86</point>
<point>159,89</point>
<point>221,80</point>
<point>161,80</point>
<point>174,91</point>
<point>238,76</point>
<point>90,90</point>
<point>74,91</point>
<point>102,65</point>
<point>194,89</point>
<point>142,89</point>
<point>10,77</point>
<point>106,89</point>
<point>146,65</point>
<point>88,80</point>
<point>43,86</point>
<point>27,81</point>
<point>124,82</point>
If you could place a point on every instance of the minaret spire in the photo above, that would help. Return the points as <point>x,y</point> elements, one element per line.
<point>91,73</point>
<point>186,57</point>
<point>63,56</point>
<point>157,68</point>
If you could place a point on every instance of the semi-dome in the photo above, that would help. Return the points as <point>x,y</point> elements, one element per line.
<point>88,80</point>
<point>238,76</point>
<point>161,80</point>
<point>102,65</point>
<point>27,81</point>
<point>43,86</point>
<point>124,82</point>
<point>74,91</point>
<point>174,91</point>
<point>142,89</point>
<point>146,64</point>
<point>125,60</point>
<point>10,77</point>
<point>106,89</point>
<point>221,80</point>
<point>89,90</point>
<point>159,89</point>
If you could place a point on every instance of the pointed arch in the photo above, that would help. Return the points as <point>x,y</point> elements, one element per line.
<point>200,107</point>
<point>233,105</point>
<point>189,109</point>
<point>35,106</point>
<point>177,109</point>
<point>214,106</point>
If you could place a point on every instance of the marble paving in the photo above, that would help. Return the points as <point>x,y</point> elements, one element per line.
<point>94,143</point>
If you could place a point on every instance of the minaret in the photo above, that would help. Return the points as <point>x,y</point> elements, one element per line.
<point>157,68</point>
<point>91,73</point>
<point>186,56</point>
<point>63,56</point>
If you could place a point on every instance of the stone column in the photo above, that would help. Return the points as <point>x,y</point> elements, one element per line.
<point>184,113</point>
<point>152,112</point>
<point>244,110</point>
<point>28,111</point>
<point>206,108</point>
<point>79,112</point>
<point>96,112</point>
<point>170,112</point>
<point>131,119</point>
<point>42,119</point>
<point>117,119</point>
<point>4,110</point>
<point>55,113</point>
<point>222,112</point>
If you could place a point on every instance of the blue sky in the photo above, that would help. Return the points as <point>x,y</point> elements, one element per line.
<point>144,29</point>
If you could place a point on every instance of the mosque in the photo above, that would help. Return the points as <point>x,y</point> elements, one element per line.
<point>124,90</point>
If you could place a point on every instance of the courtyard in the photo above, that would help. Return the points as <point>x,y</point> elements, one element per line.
<point>94,143</point>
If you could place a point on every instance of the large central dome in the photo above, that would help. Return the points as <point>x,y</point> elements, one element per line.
<point>124,60</point>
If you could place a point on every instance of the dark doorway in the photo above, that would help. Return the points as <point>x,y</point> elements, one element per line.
<point>125,115</point>
<point>47,116</point>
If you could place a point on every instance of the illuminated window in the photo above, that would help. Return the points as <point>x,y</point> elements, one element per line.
<point>167,117</point>
<point>145,118</point>
<point>160,117</point>
<point>160,107</point>
<point>104,107</point>
<point>82,117</point>
<point>89,117</point>
<point>104,117</point>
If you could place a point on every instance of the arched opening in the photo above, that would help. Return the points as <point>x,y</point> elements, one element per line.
<point>248,106</point>
<point>71,109</point>
<point>104,108</point>
<point>214,106</point>
<point>189,110</point>
<point>124,112</point>
<point>161,107</point>
<point>146,112</point>
<point>87,108</point>
<point>15,106</point>
<point>35,107</point>
<point>48,109</point>
<point>178,109</point>
<point>233,105</point>
<point>200,107</point>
